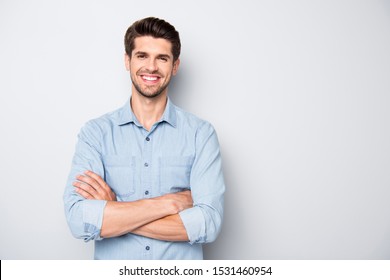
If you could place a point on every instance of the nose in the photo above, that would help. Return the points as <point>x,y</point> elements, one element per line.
<point>152,65</point>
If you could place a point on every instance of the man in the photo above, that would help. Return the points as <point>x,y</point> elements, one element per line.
<point>146,180</point>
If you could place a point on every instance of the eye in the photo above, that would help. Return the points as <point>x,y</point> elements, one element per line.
<point>163,59</point>
<point>141,56</point>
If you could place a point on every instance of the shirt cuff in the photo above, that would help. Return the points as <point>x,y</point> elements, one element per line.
<point>93,218</point>
<point>194,224</point>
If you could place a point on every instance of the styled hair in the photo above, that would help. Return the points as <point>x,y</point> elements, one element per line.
<point>155,27</point>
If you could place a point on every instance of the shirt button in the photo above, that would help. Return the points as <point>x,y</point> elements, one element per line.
<point>146,164</point>
<point>147,139</point>
<point>146,192</point>
<point>147,248</point>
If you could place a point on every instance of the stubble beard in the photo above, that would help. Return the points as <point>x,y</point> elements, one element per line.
<point>150,95</point>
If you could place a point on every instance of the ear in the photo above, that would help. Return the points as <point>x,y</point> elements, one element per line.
<point>127,62</point>
<point>176,67</point>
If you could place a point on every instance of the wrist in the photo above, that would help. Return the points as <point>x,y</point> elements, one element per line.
<point>167,205</point>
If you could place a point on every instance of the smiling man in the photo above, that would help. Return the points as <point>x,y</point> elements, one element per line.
<point>146,180</point>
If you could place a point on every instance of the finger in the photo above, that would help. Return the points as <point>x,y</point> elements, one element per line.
<point>98,179</point>
<point>85,188</point>
<point>100,191</point>
<point>83,193</point>
<point>88,180</point>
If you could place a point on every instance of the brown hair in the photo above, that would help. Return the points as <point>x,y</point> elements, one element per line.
<point>156,28</point>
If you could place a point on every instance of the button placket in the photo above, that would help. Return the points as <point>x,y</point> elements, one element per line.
<point>147,170</point>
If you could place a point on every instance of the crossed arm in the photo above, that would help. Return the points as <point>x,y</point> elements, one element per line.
<point>154,217</point>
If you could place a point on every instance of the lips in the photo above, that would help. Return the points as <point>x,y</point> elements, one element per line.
<point>150,78</point>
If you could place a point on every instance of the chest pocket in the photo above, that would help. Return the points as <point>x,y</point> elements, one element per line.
<point>175,173</point>
<point>119,172</point>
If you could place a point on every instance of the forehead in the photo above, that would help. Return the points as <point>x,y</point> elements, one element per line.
<point>152,45</point>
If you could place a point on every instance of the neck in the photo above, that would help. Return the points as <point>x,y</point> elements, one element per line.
<point>148,110</point>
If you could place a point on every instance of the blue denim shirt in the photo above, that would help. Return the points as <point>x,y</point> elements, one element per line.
<point>179,152</point>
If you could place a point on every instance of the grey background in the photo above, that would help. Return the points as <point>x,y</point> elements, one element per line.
<point>298,92</point>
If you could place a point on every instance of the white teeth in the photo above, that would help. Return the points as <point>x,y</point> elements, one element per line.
<point>148,78</point>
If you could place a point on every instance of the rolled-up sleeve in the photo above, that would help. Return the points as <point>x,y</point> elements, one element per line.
<point>203,221</point>
<point>84,216</point>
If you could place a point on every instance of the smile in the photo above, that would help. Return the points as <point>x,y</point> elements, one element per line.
<point>150,78</point>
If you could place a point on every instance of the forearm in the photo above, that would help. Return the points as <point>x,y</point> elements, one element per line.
<point>119,218</point>
<point>169,228</point>
<point>123,217</point>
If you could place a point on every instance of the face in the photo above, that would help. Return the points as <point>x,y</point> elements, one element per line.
<point>151,66</point>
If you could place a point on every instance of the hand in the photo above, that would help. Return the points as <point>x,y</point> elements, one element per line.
<point>180,200</point>
<point>92,186</point>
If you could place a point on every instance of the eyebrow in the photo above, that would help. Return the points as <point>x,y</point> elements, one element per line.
<point>139,52</point>
<point>164,56</point>
<point>145,53</point>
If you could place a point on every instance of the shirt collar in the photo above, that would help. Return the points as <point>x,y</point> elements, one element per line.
<point>169,115</point>
<point>126,114</point>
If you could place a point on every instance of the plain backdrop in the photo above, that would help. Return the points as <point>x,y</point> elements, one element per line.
<point>298,91</point>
